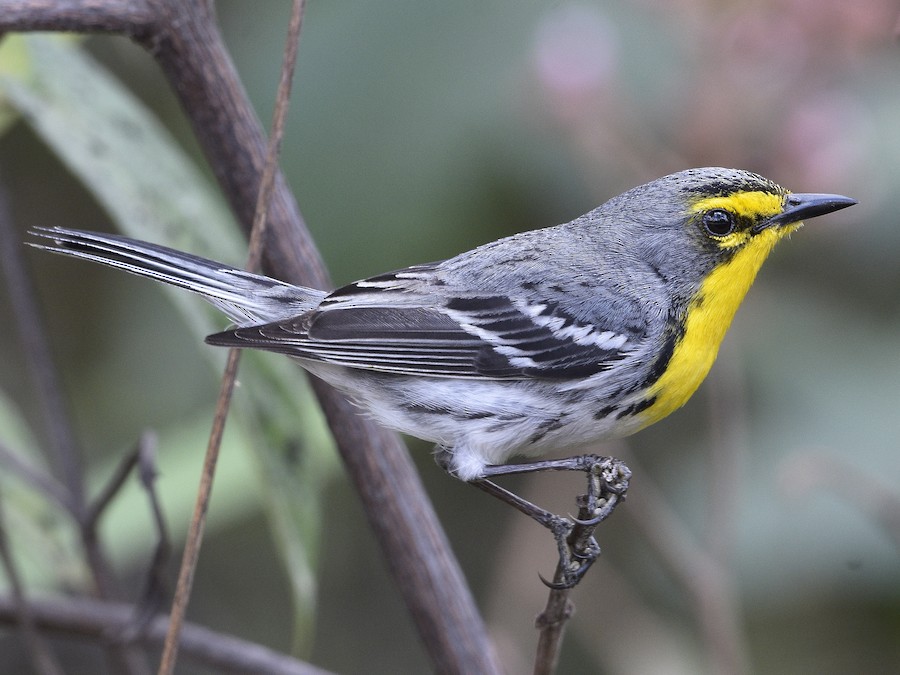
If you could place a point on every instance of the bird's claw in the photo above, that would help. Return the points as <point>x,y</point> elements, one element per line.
<point>590,522</point>
<point>607,480</point>
<point>571,577</point>
<point>577,551</point>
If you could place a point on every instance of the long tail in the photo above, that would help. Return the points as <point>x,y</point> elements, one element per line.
<point>244,297</point>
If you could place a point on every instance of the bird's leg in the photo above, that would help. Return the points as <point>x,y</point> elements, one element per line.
<point>606,475</point>
<point>549,520</point>
<point>586,463</point>
<point>574,562</point>
<point>578,549</point>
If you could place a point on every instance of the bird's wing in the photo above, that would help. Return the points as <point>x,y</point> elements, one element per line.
<point>389,324</point>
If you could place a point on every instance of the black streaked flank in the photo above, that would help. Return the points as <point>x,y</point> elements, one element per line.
<point>635,408</point>
<point>480,415</point>
<point>605,411</point>
<point>546,427</point>
<point>425,409</point>
<point>663,357</point>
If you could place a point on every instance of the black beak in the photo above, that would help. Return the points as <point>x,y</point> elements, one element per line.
<point>801,206</point>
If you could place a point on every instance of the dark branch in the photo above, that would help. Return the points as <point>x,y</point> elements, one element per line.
<point>122,17</point>
<point>607,485</point>
<point>35,478</point>
<point>95,620</point>
<point>185,41</point>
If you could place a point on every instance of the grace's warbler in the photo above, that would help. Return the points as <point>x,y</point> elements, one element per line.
<point>546,340</point>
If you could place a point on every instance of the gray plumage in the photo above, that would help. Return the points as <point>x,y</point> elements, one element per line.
<point>540,341</point>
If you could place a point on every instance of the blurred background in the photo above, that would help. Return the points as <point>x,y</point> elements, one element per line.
<point>761,528</point>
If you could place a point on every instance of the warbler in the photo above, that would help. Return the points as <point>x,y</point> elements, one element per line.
<point>547,340</point>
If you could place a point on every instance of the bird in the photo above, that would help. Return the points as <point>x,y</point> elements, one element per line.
<point>546,341</point>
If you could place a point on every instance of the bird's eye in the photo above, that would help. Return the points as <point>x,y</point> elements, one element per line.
<point>719,222</point>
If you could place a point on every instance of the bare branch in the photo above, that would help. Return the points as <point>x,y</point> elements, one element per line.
<point>110,490</point>
<point>35,477</point>
<point>607,485</point>
<point>257,238</point>
<point>185,41</point>
<point>191,553</point>
<point>155,589</point>
<point>125,17</point>
<point>402,518</point>
<point>95,620</point>
<point>140,458</point>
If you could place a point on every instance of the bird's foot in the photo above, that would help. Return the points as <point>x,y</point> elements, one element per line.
<point>607,478</point>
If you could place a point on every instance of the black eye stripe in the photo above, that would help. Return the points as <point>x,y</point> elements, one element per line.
<point>719,222</point>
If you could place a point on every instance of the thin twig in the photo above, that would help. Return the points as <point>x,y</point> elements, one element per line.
<point>95,620</point>
<point>608,485</point>
<point>99,505</point>
<point>141,458</point>
<point>156,583</point>
<point>551,623</point>
<point>198,521</point>
<point>257,239</point>
<point>35,477</point>
<point>273,151</point>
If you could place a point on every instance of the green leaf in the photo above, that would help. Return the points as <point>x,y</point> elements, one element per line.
<point>152,190</point>
<point>40,533</point>
<point>15,62</point>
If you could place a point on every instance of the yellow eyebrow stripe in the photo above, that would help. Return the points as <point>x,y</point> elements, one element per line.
<point>755,205</point>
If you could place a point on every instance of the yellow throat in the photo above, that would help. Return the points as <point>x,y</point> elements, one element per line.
<point>713,307</point>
